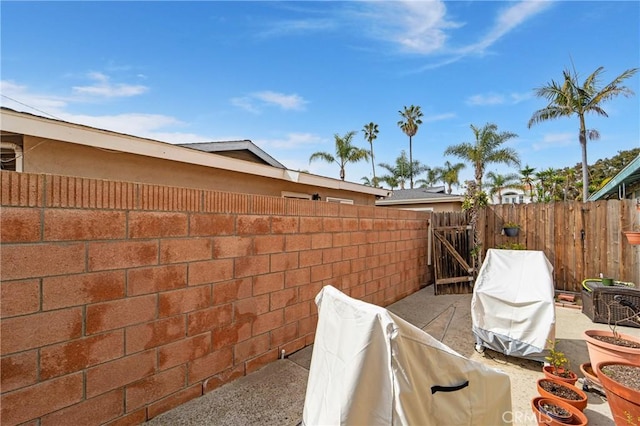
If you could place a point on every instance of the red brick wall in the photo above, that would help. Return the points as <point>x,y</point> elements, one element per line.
<point>120,301</point>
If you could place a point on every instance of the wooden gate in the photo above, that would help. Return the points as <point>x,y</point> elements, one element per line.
<point>453,264</point>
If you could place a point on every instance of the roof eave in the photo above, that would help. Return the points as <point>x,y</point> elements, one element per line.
<point>618,179</point>
<point>41,127</point>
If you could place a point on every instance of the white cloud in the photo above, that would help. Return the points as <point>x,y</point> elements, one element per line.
<point>416,26</point>
<point>497,99</point>
<point>282,100</point>
<point>507,20</point>
<point>254,102</point>
<point>440,117</point>
<point>554,140</point>
<point>245,103</point>
<point>486,99</point>
<point>104,88</point>
<point>17,96</point>
<point>292,141</point>
<point>152,126</point>
<point>300,26</point>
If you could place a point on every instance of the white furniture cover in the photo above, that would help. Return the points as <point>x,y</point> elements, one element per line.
<point>370,367</point>
<point>512,308</point>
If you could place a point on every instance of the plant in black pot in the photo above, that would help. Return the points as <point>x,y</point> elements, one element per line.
<point>511,229</point>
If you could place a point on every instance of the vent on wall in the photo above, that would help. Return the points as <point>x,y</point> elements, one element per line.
<point>11,156</point>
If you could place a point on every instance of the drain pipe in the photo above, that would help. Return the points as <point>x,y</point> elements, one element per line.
<point>18,150</point>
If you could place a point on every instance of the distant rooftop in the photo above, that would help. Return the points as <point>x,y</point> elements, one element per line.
<point>241,150</point>
<point>626,181</point>
<point>419,193</point>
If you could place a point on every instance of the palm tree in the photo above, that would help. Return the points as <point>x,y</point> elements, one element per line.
<point>568,98</point>
<point>498,182</point>
<point>485,150</point>
<point>449,174</point>
<point>400,171</point>
<point>345,153</point>
<point>526,177</point>
<point>433,176</point>
<point>409,125</point>
<point>370,182</point>
<point>370,134</point>
<point>546,179</point>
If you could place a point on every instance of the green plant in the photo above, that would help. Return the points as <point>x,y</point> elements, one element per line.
<point>511,246</point>
<point>511,225</point>
<point>558,360</point>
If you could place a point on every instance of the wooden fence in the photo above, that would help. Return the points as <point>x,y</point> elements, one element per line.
<point>581,240</point>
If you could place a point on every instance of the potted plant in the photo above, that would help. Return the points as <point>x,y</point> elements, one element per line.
<point>611,345</point>
<point>621,382</point>
<point>510,229</point>
<point>545,408</point>
<point>589,374</point>
<point>558,368</point>
<point>563,391</point>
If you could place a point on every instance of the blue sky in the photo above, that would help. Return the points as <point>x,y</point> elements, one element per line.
<point>289,75</point>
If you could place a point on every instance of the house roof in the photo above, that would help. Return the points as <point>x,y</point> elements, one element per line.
<point>16,122</point>
<point>419,196</point>
<point>242,150</point>
<point>616,187</point>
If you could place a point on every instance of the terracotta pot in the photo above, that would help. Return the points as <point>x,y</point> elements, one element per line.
<point>577,418</point>
<point>580,404</point>
<point>589,374</point>
<point>633,237</point>
<point>623,401</point>
<point>601,351</point>
<point>548,371</point>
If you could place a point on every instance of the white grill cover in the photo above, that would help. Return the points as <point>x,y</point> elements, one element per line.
<point>370,367</point>
<point>512,308</point>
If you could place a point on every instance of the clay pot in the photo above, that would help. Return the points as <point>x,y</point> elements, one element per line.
<point>623,401</point>
<point>633,237</point>
<point>589,374</point>
<point>548,371</point>
<point>577,417</point>
<point>580,404</point>
<point>602,351</point>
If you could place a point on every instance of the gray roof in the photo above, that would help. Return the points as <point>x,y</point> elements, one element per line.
<point>242,150</point>
<point>629,177</point>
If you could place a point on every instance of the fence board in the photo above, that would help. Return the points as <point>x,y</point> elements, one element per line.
<point>580,240</point>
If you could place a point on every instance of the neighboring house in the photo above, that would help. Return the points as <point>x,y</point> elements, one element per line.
<point>35,144</point>
<point>423,199</point>
<point>512,196</point>
<point>626,184</point>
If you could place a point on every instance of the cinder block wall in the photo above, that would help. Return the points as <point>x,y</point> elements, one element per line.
<point>121,300</point>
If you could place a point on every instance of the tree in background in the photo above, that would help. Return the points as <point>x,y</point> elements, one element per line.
<point>345,153</point>
<point>568,98</point>
<point>449,174</point>
<point>526,178</point>
<point>486,149</point>
<point>409,125</point>
<point>375,182</point>
<point>431,178</point>
<point>370,134</point>
<point>402,170</point>
<point>399,172</point>
<point>497,182</point>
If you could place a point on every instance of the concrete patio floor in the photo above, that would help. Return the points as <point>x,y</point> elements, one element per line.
<point>274,395</point>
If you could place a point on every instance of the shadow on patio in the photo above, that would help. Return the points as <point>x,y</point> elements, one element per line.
<point>274,395</point>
